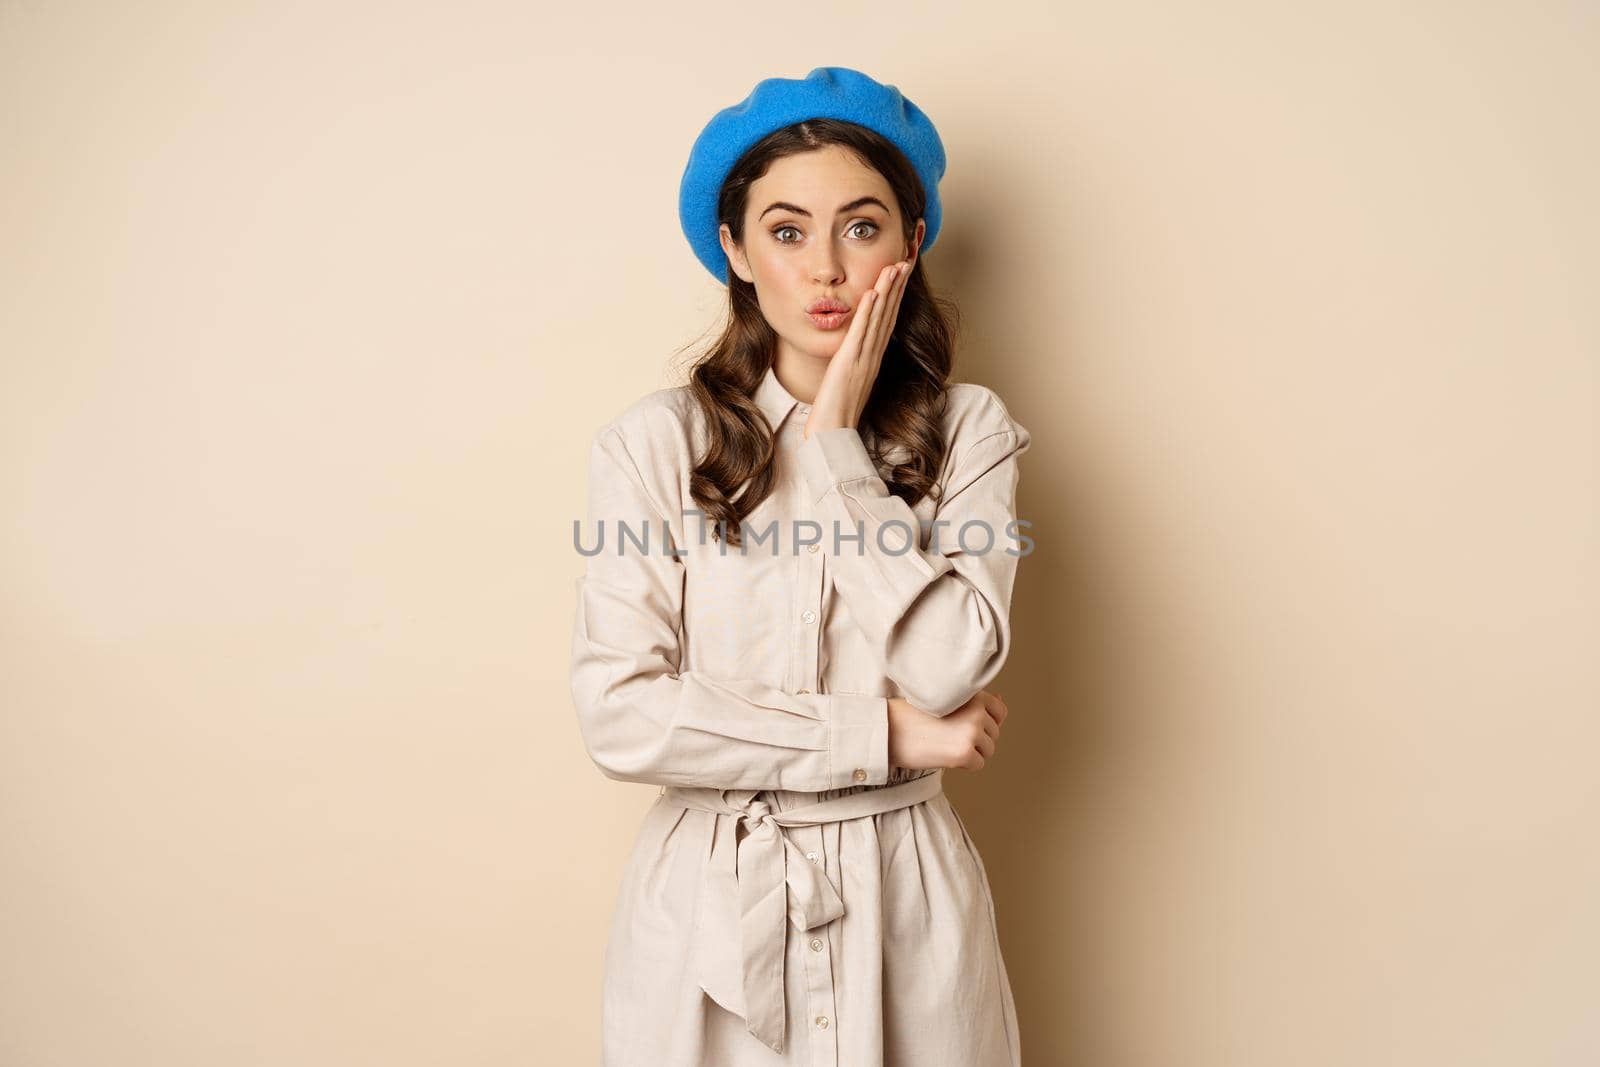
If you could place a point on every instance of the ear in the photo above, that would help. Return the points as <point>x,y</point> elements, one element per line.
<point>735,254</point>
<point>916,240</point>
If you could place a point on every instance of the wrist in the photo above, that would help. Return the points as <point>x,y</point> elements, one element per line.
<point>826,419</point>
<point>897,709</point>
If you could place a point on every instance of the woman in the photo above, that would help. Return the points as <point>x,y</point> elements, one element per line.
<point>805,589</point>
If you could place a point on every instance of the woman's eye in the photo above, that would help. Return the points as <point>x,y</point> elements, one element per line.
<point>872,228</point>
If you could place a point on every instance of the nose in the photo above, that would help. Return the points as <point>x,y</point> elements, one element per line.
<point>827,266</point>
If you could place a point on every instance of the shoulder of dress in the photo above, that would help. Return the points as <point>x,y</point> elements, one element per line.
<point>974,412</point>
<point>650,443</point>
<point>659,420</point>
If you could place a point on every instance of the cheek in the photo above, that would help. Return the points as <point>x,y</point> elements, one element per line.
<point>874,266</point>
<point>778,278</point>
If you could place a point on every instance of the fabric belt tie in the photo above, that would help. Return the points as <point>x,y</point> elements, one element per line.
<point>744,902</point>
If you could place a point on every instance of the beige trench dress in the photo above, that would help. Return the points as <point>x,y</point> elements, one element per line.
<point>790,897</point>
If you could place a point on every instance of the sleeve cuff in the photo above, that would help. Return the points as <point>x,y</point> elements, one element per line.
<point>860,740</point>
<point>829,457</point>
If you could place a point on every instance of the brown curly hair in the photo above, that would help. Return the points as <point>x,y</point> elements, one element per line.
<point>902,417</point>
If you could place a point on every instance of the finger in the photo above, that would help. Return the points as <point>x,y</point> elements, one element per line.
<point>884,288</point>
<point>985,744</point>
<point>859,322</point>
<point>885,322</point>
<point>899,292</point>
<point>869,337</point>
<point>886,279</point>
<point>892,309</point>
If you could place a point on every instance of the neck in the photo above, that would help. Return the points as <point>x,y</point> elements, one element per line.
<point>799,373</point>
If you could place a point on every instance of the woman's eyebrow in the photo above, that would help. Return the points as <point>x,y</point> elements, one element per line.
<point>780,205</point>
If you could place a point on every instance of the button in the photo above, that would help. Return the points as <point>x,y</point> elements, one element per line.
<point>816,944</point>
<point>812,548</point>
<point>812,856</point>
<point>809,616</point>
<point>860,775</point>
<point>822,1022</point>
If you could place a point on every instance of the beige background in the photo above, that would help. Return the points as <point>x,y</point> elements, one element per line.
<point>307,314</point>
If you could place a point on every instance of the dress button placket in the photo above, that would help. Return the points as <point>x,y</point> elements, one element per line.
<point>817,949</point>
<point>815,946</point>
<point>808,603</point>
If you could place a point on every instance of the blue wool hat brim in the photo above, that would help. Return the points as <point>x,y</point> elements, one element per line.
<point>825,93</point>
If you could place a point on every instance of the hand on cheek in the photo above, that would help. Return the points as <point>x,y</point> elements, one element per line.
<point>847,383</point>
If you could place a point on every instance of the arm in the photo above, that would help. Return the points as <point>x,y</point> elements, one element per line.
<point>939,618</point>
<point>644,720</point>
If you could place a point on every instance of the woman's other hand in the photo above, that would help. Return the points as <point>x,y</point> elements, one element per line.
<point>965,739</point>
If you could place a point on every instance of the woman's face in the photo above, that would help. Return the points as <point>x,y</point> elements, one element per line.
<point>818,226</point>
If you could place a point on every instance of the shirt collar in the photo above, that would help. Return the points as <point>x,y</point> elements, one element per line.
<point>775,401</point>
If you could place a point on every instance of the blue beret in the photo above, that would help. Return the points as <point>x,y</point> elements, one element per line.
<point>827,92</point>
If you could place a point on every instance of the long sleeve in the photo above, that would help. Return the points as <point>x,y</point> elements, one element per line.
<point>643,719</point>
<point>937,618</point>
